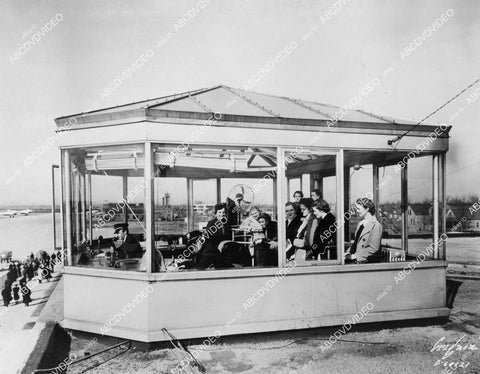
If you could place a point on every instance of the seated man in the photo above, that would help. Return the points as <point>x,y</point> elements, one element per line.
<point>126,246</point>
<point>368,235</point>
<point>292,224</point>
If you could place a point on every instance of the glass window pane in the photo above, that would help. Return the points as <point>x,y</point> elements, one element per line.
<point>389,211</point>
<point>107,207</point>
<point>420,206</point>
<point>191,232</point>
<point>310,227</point>
<point>295,189</point>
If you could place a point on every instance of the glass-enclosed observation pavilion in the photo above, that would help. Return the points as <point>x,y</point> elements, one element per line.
<point>161,166</point>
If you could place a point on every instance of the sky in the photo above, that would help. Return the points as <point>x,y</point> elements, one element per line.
<point>66,71</point>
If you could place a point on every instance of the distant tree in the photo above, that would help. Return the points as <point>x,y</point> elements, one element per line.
<point>462,200</point>
<point>472,198</point>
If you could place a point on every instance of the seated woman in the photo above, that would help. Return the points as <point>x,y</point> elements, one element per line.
<point>368,235</point>
<point>306,231</point>
<point>266,253</point>
<point>217,231</point>
<point>251,224</point>
<point>325,232</point>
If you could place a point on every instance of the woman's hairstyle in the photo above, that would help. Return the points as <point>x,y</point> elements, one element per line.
<point>318,192</point>
<point>255,207</point>
<point>367,204</point>
<point>299,192</point>
<point>322,205</point>
<point>307,202</point>
<point>266,217</point>
<point>218,207</point>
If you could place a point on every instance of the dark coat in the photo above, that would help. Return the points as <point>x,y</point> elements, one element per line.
<point>217,233</point>
<point>292,228</point>
<point>26,292</point>
<point>324,234</point>
<point>271,231</point>
<point>233,213</point>
<point>15,290</point>
<point>130,248</point>
<point>7,293</point>
<point>209,254</point>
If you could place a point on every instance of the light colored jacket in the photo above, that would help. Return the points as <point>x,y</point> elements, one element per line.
<point>370,240</point>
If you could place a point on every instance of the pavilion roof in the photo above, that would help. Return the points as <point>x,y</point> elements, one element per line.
<point>238,102</point>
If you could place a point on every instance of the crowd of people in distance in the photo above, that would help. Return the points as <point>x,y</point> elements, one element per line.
<point>19,274</point>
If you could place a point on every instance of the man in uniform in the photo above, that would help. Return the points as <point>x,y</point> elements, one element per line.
<point>125,244</point>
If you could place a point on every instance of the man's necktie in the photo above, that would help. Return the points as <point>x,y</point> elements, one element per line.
<point>353,249</point>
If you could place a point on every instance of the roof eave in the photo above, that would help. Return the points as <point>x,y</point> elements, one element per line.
<point>83,118</point>
<point>172,116</point>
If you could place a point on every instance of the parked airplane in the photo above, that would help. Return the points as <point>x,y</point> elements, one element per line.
<point>9,213</point>
<point>25,212</point>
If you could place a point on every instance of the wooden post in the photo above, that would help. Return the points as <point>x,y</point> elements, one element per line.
<point>319,183</point>
<point>281,197</point>
<point>404,206</point>
<point>76,202</point>
<point>125,196</point>
<point>83,196</point>
<point>443,204</point>
<point>342,182</point>
<point>62,204</point>
<point>345,170</point>
<point>288,190</point>
<point>436,204</point>
<point>190,212</point>
<point>90,207</point>
<point>149,211</point>
<point>54,221</point>
<point>305,183</point>
<point>376,189</point>
<point>68,206</point>
<point>313,181</point>
<point>219,191</point>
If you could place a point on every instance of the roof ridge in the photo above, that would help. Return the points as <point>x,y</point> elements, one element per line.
<point>186,94</point>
